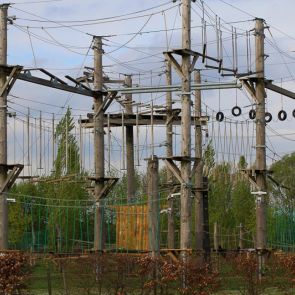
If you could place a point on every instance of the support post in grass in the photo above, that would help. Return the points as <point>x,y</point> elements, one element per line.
<point>216,238</point>
<point>49,285</point>
<point>64,279</point>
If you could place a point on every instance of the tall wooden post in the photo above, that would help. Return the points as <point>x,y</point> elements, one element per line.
<point>129,145</point>
<point>216,236</point>
<point>169,153</point>
<point>3,128</point>
<point>206,234</point>
<point>153,205</point>
<point>260,140</point>
<point>185,200</point>
<point>199,204</point>
<point>98,144</point>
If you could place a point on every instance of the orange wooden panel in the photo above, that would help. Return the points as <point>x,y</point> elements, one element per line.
<point>131,227</point>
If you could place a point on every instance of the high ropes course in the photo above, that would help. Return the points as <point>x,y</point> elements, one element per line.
<point>62,202</point>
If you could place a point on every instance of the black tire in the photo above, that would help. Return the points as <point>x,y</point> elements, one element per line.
<point>293,113</point>
<point>252,114</point>
<point>282,115</point>
<point>268,117</point>
<point>236,111</point>
<point>219,116</point>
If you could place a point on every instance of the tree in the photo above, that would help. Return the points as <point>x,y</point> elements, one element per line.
<point>283,191</point>
<point>57,216</point>
<point>67,159</point>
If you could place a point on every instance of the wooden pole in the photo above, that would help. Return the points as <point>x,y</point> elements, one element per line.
<point>53,141</point>
<point>49,282</point>
<point>169,152</point>
<point>216,236</point>
<point>260,141</point>
<point>67,144</point>
<point>129,145</point>
<point>81,150</point>
<point>206,234</point>
<point>3,128</point>
<point>199,204</point>
<point>98,144</point>
<point>185,200</point>
<point>153,205</point>
<point>241,236</point>
<point>28,140</point>
<point>40,141</point>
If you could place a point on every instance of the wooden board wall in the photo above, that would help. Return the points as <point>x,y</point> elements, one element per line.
<point>132,227</point>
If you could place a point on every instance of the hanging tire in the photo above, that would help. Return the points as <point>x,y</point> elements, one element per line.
<point>293,113</point>
<point>268,117</point>
<point>219,116</point>
<point>252,114</point>
<point>282,115</point>
<point>236,111</point>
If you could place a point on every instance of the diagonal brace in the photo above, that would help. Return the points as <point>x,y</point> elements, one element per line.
<point>11,177</point>
<point>174,63</point>
<point>10,80</point>
<point>250,88</point>
<point>106,103</point>
<point>174,169</point>
<point>107,188</point>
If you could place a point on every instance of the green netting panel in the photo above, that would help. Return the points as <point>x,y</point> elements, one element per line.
<point>280,229</point>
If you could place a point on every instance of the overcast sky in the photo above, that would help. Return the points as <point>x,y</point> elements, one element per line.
<point>57,35</point>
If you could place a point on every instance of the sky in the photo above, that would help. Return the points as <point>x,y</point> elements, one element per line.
<point>57,36</point>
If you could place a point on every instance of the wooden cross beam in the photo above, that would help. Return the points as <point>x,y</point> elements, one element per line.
<point>52,82</point>
<point>248,84</point>
<point>277,89</point>
<point>115,120</point>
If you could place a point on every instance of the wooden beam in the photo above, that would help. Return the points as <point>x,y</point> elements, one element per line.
<point>10,80</point>
<point>106,102</point>
<point>250,89</point>
<point>63,87</point>
<point>174,169</point>
<point>280,90</point>
<point>144,120</point>
<point>174,63</point>
<point>194,62</point>
<point>11,177</point>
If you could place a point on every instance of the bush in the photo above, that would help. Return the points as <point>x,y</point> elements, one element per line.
<point>13,272</point>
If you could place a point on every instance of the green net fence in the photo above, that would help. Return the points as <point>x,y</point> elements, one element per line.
<point>67,226</point>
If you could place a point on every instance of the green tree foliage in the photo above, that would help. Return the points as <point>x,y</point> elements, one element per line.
<point>230,199</point>
<point>283,191</point>
<point>67,159</point>
<point>49,221</point>
<point>208,159</point>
